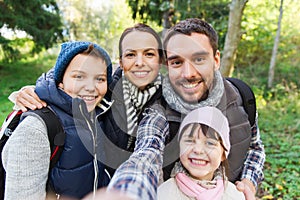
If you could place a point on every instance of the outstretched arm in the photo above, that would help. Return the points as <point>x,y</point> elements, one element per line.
<point>138,177</point>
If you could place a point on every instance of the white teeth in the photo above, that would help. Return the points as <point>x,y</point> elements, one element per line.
<point>190,85</point>
<point>88,98</point>
<point>140,73</point>
<point>199,162</point>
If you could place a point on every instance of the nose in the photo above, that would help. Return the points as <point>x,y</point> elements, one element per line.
<point>198,147</point>
<point>139,60</point>
<point>188,70</point>
<point>89,85</point>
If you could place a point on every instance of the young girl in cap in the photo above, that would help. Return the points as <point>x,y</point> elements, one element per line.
<point>75,92</point>
<point>204,147</point>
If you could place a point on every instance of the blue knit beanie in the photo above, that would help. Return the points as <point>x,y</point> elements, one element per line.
<point>69,50</point>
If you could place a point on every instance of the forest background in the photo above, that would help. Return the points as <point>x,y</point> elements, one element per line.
<point>259,42</point>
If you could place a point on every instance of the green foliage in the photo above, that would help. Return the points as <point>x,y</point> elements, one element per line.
<point>260,25</point>
<point>99,21</point>
<point>10,53</point>
<point>16,74</point>
<point>38,18</point>
<point>279,123</point>
<point>215,12</point>
<point>280,131</point>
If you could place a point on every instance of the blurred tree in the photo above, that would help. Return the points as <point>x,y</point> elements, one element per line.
<point>259,26</point>
<point>38,18</point>
<point>275,47</point>
<point>168,12</point>
<point>98,21</point>
<point>233,36</point>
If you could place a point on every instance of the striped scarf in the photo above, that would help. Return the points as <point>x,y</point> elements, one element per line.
<point>135,99</point>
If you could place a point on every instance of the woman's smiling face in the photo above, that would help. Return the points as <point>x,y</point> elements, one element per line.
<point>140,58</point>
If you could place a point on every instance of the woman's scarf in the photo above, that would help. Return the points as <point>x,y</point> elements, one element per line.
<point>178,104</point>
<point>135,99</point>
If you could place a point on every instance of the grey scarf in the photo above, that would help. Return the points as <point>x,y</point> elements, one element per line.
<point>178,104</point>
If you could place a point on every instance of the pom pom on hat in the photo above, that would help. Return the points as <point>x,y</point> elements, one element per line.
<point>212,117</point>
<point>69,50</point>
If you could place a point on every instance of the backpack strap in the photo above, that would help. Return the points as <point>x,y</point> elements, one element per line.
<point>248,98</point>
<point>56,136</point>
<point>55,131</point>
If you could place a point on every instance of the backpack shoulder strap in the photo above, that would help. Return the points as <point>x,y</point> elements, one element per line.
<point>248,98</point>
<point>55,131</point>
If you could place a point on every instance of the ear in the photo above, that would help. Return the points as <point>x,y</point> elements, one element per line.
<point>217,59</point>
<point>61,86</point>
<point>120,63</point>
<point>223,156</point>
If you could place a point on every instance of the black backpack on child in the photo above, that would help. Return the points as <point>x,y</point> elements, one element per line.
<point>56,136</point>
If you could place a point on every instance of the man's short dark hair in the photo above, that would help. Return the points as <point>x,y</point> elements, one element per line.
<point>193,25</point>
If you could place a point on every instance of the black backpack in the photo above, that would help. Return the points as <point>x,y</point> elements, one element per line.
<point>248,98</point>
<point>56,136</point>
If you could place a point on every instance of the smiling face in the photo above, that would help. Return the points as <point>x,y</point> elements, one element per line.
<point>140,58</point>
<point>201,155</point>
<point>86,78</point>
<point>191,65</point>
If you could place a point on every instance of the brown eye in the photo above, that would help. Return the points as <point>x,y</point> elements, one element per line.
<point>129,55</point>
<point>175,63</point>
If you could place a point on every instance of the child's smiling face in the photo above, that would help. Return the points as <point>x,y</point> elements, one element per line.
<point>200,154</point>
<point>86,78</point>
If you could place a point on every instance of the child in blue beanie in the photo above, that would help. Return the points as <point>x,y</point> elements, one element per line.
<point>75,90</point>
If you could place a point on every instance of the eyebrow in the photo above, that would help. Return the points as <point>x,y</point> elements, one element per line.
<point>173,57</point>
<point>199,53</point>
<point>146,49</point>
<point>84,72</point>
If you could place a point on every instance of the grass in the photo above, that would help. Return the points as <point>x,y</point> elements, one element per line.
<point>279,118</point>
<point>279,123</point>
<point>17,74</point>
<point>280,132</point>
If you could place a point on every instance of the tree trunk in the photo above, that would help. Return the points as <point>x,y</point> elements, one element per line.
<point>166,22</point>
<point>233,36</point>
<point>275,47</point>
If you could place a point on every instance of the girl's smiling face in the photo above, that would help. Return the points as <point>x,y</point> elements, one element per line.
<point>86,78</point>
<point>200,153</point>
